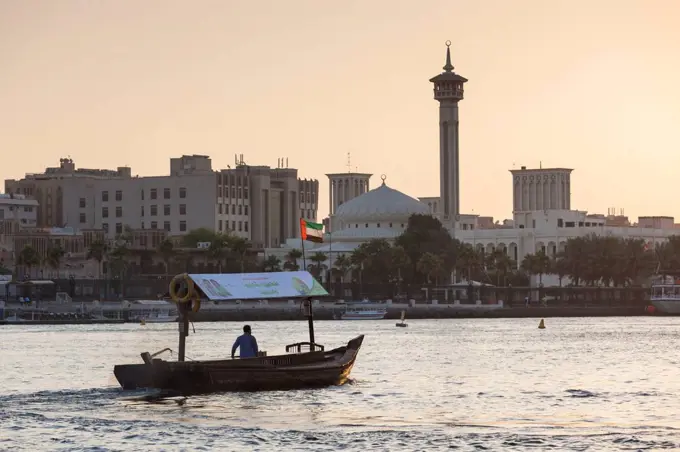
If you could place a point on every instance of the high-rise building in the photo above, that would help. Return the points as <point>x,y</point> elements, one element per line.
<point>260,203</point>
<point>448,91</point>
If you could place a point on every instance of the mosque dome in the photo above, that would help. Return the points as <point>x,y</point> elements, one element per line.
<point>382,203</point>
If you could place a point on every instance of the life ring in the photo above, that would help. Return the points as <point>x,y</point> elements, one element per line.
<point>196,304</point>
<point>175,285</point>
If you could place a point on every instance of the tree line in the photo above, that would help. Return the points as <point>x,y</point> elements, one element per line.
<point>424,253</point>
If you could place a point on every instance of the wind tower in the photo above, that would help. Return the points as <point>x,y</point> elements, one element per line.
<point>448,91</point>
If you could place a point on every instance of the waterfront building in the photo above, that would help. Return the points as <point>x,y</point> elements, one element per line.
<point>543,219</point>
<point>259,203</point>
<point>16,212</point>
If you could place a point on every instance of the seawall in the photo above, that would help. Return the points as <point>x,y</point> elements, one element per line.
<point>422,313</point>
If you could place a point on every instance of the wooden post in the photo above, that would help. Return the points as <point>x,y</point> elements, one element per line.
<point>183,325</point>
<point>310,322</point>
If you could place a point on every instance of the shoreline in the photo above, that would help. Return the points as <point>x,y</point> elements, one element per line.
<point>412,313</point>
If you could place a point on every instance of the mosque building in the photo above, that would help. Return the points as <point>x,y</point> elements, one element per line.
<point>542,215</point>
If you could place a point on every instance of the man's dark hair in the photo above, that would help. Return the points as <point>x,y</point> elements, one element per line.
<point>246,329</point>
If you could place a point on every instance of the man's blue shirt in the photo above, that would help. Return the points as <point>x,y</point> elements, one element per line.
<point>248,346</point>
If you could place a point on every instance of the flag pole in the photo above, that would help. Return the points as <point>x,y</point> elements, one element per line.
<point>302,242</point>
<point>330,257</point>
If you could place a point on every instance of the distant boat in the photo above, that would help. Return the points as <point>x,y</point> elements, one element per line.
<point>359,312</point>
<point>665,295</point>
<point>403,318</point>
<point>153,311</point>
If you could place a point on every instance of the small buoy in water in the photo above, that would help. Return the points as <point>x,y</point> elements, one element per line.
<point>650,309</point>
<point>142,322</point>
<point>541,325</point>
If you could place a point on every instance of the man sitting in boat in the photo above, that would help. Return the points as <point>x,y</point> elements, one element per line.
<point>247,343</point>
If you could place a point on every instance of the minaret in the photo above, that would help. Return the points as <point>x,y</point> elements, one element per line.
<point>448,90</point>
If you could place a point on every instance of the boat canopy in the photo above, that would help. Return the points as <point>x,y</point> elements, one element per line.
<point>248,286</point>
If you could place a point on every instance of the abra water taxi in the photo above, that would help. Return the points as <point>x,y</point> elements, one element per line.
<point>305,364</point>
<point>665,295</point>
<point>153,311</point>
<point>363,311</point>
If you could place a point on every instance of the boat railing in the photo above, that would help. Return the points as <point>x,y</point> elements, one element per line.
<point>297,347</point>
<point>665,297</point>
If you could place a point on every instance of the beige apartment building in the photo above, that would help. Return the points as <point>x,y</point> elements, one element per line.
<point>259,203</point>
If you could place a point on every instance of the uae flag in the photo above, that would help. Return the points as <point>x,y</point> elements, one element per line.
<point>312,232</point>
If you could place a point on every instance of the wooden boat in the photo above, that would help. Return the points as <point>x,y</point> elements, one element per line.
<point>305,364</point>
<point>402,323</point>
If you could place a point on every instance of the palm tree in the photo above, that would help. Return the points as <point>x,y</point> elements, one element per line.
<point>54,255</point>
<point>469,262</point>
<point>317,266</point>
<point>536,264</point>
<point>342,265</point>
<point>29,258</point>
<point>501,264</point>
<point>218,250</point>
<point>240,247</point>
<point>98,251</point>
<point>271,264</point>
<point>431,266</point>
<point>292,258</point>
<point>167,251</point>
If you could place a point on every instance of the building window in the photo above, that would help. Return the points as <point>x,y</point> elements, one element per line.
<point>245,209</point>
<point>119,211</point>
<point>166,193</point>
<point>245,226</point>
<point>105,227</point>
<point>142,192</point>
<point>142,211</point>
<point>240,209</point>
<point>182,226</point>
<point>166,209</point>
<point>219,209</point>
<point>83,203</point>
<point>154,225</point>
<point>166,226</point>
<point>245,193</point>
<point>183,209</point>
<point>219,226</point>
<point>240,192</point>
<point>105,196</point>
<point>83,218</point>
<point>119,228</point>
<point>105,212</point>
<point>182,192</point>
<point>154,210</point>
<point>142,225</point>
<point>390,224</point>
<point>233,209</point>
<point>378,224</point>
<point>119,195</point>
<point>154,193</point>
<point>240,226</point>
<point>233,191</point>
<point>302,197</point>
<point>233,225</point>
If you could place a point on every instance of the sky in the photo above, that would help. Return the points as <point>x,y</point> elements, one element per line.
<point>589,85</point>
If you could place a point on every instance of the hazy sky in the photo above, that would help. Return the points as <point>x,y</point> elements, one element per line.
<point>592,85</point>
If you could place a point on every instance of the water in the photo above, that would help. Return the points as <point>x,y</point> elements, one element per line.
<point>497,384</point>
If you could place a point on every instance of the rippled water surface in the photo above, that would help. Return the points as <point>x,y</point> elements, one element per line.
<point>496,384</point>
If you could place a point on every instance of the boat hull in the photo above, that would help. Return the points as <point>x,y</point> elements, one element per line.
<point>667,306</point>
<point>293,371</point>
<point>372,316</point>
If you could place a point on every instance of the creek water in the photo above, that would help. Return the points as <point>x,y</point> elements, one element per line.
<point>498,384</point>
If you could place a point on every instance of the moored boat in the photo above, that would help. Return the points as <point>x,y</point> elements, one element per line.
<point>665,295</point>
<point>305,364</point>
<point>363,311</point>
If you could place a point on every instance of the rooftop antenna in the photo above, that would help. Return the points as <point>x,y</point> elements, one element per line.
<point>349,163</point>
<point>286,162</point>
<point>540,164</point>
